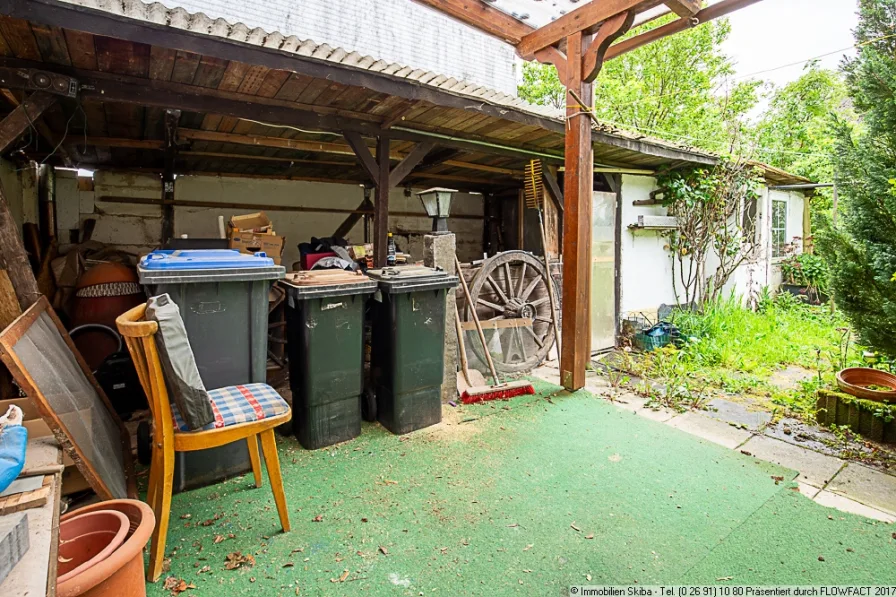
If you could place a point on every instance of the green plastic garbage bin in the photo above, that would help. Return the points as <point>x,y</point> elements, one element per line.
<point>325,331</point>
<point>407,366</point>
<point>223,299</point>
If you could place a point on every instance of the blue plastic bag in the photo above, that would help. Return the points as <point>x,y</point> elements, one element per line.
<point>13,440</point>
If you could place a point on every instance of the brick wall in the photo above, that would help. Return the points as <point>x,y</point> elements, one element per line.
<point>400,31</point>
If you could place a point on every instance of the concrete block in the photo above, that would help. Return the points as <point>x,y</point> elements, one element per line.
<point>718,432</point>
<point>661,415</point>
<point>14,542</point>
<point>814,468</point>
<point>439,251</point>
<point>866,485</point>
<point>844,504</point>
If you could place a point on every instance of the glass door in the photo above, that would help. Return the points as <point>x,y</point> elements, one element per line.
<point>603,271</point>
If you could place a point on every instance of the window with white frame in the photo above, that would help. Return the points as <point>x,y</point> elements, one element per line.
<point>779,227</point>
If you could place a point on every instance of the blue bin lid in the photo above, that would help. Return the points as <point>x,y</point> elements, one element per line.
<point>203,259</point>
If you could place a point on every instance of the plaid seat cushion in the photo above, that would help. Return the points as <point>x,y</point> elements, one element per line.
<point>238,404</point>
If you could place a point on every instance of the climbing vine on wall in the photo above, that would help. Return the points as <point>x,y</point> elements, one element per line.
<point>716,210</point>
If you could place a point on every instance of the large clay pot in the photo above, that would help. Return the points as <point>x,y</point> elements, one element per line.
<point>856,380</point>
<point>88,539</point>
<point>104,292</point>
<point>120,574</point>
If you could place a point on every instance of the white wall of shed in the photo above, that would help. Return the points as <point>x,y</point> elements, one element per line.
<point>20,189</point>
<point>646,267</point>
<point>137,227</point>
<point>396,31</point>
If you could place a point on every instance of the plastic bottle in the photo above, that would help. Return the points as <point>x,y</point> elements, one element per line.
<point>390,251</point>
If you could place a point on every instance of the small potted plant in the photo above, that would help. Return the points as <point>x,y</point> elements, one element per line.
<point>805,275</point>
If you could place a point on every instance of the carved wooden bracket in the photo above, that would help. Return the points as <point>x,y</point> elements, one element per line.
<point>611,30</point>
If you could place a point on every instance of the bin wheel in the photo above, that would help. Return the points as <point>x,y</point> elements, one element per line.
<point>144,443</point>
<point>368,405</point>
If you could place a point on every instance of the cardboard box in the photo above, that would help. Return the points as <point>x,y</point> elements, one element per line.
<point>251,243</point>
<point>259,223</point>
<point>29,409</point>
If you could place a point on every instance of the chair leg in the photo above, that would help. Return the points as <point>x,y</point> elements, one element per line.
<point>252,440</point>
<point>272,461</point>
<point>162,509</point>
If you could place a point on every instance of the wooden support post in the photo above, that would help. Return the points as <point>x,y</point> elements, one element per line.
<point>579,178</point>
<point>381,205</point>
<point>171,119</point>
<point>385,178</point>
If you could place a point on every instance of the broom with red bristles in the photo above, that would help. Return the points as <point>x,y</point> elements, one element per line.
<point>499,391</point>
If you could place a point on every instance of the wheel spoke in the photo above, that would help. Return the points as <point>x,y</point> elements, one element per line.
<point>543,318</point>
<point>509,279</point>
<point>539,302</point>
<point>497,288</point>
<point>493,306</point>
<point>496,318</point>
<point>530,288</point>
<point>522,278</point>
<point>534,336</point>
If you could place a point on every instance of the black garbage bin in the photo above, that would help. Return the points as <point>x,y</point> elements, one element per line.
<point>407,360</point>
<point>325,331</point>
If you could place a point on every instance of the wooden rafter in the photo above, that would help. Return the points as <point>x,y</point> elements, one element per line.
<point>684,8</point>
<point>586,18</point>
<point>720,9</point>
<point>480,15</point>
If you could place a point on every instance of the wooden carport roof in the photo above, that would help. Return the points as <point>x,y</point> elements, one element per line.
<point>228,80</point>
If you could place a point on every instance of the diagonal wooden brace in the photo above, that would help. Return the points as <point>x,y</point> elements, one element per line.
<point>611,30</point>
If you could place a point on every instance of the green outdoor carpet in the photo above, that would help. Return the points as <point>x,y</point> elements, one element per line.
<point>533,495</point>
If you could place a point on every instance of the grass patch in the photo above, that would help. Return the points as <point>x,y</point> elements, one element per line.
<point>726,347</point>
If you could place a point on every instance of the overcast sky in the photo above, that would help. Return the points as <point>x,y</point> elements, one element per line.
<point>773,33</point>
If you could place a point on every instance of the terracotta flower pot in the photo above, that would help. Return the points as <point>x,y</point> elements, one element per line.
<point>856,380</point>
<point>121,573</point>
<point>87,539</point>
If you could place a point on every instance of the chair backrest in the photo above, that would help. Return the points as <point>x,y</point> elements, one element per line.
<point>139,335</point>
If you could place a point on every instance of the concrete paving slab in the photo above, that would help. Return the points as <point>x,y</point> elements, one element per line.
<point>867,486</point>
<point>628,401</point>
<point>796,432</point>
<point>718,432</point>
<point>814,468</point>
<point>732,412</point>
<point>810,491</point>
<point>657,414</point>
<point>547,374</point>
<point>844,504</point>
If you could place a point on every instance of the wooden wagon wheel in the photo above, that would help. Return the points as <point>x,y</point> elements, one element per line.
<point>513,286</point>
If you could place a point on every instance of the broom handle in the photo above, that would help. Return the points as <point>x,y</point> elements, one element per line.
<point>461,346</point>
<point>488,356</point>
<point>547,267</point>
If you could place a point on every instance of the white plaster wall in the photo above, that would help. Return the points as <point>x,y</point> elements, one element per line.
<point>399,31</point>
<point>137,227</point>
<point>646,264</point>
<point>20,190</point>
<point>646,267</point>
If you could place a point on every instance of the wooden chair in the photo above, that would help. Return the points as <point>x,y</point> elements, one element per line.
<point>168,439</point>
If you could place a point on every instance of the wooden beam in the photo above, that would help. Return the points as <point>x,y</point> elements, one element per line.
<point>263,141</point>
<point>381,207</point>
<point>168,179</point>
<point>270,207</point>
<point>575,351</point>
<point>584,19</point>
<point>480,15</point>
<point>353,218</point>
<point>611,30</point>
<point>553,187</point>
<point>715,11</point>
<point>366,159</point>
<point>19,120</point>
<point>405,166</point>
<point>684,8</point>
<point>49,136</point>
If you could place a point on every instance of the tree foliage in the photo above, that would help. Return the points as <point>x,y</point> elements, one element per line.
<point>713,210</point>
<point>862,255</point>
<point>675,88</point>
